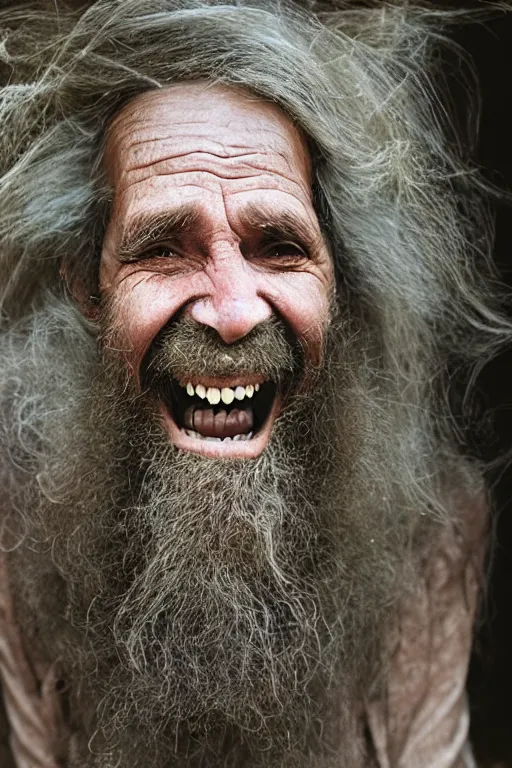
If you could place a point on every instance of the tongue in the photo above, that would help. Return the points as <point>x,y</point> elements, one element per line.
<point>220,424</point>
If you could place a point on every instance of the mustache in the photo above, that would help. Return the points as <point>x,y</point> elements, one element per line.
<point>186,348</point>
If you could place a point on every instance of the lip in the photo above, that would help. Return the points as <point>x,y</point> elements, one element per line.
<point>243,449</point>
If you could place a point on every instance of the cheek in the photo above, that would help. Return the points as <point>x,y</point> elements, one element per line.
<point>142,304</point>
<point>303,301</point>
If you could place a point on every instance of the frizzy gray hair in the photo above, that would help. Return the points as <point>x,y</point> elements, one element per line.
<point>395,200</point>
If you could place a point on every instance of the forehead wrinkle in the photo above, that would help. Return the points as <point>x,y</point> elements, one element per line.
<point>199,145</point>
<point>169,129</point>
<point>152,163</point>
<point>268,160</point>
<point>255,173</point>
<point>226,193</point>
<point>254,169</point>
<point>127,147</point>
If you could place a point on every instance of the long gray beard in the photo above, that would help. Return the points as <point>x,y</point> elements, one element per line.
<point>213,608</point>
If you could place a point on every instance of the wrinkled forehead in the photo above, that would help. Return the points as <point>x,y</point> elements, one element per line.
<point>198,117</point>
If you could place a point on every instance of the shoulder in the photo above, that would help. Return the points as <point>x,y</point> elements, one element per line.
<point>422,718</point>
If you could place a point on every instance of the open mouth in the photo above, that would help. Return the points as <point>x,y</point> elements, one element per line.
<point>220,417</point>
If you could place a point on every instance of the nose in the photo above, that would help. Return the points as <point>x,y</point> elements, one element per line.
<point>233,305</point>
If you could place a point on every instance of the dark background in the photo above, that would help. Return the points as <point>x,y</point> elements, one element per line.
<point>490,683</point>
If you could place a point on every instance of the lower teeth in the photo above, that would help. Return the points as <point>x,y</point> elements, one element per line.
<point>198,436</point>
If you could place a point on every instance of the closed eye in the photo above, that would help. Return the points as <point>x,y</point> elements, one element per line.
<point>284,254</point>
<point>157,251</point>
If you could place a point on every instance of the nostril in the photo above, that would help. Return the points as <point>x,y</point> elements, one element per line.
<point>232,318</point>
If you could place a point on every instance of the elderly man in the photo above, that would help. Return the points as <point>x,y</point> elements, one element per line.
<point>236,256</point>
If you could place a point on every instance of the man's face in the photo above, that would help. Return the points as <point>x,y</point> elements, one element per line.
<point>213,223</point>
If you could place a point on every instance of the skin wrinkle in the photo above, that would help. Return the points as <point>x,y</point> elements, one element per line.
<point>132,128</point>
<point>230,150</point>
<point>213,282</point>
<point>209,172</point>
<point>203,169</point>
<point>180,155</point>
<point>128,128</point>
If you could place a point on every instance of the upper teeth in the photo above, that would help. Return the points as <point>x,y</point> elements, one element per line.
<point>227,394</point>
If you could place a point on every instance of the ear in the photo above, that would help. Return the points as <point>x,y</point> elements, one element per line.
<point>76,287</point>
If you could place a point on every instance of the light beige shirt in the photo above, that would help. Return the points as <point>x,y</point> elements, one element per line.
<point>423,720</point>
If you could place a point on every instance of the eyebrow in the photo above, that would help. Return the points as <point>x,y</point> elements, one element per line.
<point>147,228</point>
<point>282,225</point>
